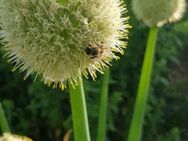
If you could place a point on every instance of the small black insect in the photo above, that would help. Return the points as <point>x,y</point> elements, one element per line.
<point>95,50</point>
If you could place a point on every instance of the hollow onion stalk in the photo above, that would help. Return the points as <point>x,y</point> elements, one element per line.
<point>136,127</point>
<point>79,112</point>
<point>101,132</point>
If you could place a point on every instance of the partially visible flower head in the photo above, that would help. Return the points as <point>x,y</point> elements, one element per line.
<point>11,137</point>
<point>57,38</point>
<point>158,12</point>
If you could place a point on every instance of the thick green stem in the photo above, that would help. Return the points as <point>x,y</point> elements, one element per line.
<point>79,112</point>
<point>101,133</point>
<point>135,132</point>
<point>3,121</point>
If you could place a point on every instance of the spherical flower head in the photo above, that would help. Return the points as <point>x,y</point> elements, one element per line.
<point>11,137</point>
<point>56,39</point>
<point>158,12</point>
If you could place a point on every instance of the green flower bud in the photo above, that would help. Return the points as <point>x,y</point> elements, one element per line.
<point>55,39</point>
<point>158,12</point>
<point>11,137</point>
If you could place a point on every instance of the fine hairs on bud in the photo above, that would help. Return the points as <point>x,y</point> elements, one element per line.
<point>158,12</point>
<point>56,39</point>
<point>11,137</point>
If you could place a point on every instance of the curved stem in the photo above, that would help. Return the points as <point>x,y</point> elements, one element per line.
<point>101,133</point>
<point>135,131</point>
<point>3,121</point>
<point>79,112</point>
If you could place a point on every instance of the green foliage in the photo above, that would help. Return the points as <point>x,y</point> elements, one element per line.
<point>44,113</point>
<point>3,121</point>
<point>173,135</point>
<point>34,107</point>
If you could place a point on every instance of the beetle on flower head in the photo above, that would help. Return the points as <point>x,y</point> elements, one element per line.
<point>49,38</point>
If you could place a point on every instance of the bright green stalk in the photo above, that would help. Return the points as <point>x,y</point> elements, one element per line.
<point>79,112</point>
<point>135,132</point>
<point>3,121</point>
<point>101,133</point>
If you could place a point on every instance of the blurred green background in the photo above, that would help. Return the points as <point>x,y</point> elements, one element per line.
<point>44,114</point>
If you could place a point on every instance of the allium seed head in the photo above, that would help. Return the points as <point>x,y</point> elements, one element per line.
<point>55,39</point>
<point>158,12</point>
<point>11,137</point>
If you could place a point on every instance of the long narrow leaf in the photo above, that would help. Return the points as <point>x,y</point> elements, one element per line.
<point>3,121</point>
